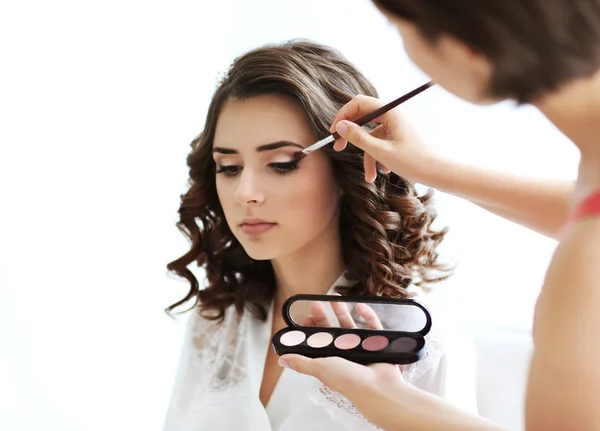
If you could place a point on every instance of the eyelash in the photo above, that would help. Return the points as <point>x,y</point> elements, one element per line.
<point>228,171</point>
<point>284,168</point>
<point>279,168</point>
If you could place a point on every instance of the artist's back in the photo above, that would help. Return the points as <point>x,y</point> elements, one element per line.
<point>564,383</point>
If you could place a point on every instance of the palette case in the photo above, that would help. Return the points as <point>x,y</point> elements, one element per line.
<point>399,337</point>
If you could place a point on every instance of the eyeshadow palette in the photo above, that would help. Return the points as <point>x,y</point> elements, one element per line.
<point>364,330</point>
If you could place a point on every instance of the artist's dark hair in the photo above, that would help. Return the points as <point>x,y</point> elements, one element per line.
<point>535,46</point>
<point>386,234</point>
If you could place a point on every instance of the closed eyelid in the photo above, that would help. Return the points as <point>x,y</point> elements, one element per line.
<point>284,158</point>
<point>225,158</point>
<point>277,156</point>
<point>281,155</point>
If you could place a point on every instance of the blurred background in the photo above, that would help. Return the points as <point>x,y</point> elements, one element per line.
<point>98,104</point>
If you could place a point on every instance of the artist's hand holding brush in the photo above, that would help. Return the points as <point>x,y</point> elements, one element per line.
<point>393,143</point>
<point>539,204</point>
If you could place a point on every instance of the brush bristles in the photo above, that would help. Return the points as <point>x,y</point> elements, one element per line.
<point>299,156</point>
<point>314,147</point>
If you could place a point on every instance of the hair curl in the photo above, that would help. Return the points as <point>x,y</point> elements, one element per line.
<point>385,227</point>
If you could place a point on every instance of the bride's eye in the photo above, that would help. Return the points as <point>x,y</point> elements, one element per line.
<point>284,167</point>
<point>229,170</point>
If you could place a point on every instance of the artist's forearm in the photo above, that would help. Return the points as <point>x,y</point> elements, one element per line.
<point>541,205</point>
<point>410,409</point>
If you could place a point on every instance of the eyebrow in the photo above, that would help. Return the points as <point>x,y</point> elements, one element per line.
<point>260,148</point>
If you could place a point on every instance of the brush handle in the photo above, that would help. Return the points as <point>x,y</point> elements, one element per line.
<point>385,108</point>
<point>364,120</point>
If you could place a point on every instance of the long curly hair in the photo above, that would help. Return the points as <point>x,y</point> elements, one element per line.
<point>385,227</point>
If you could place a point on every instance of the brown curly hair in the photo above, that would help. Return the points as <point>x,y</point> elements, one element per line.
<point>385,227</point>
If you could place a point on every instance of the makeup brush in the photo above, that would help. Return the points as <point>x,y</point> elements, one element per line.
<point>365,119</point>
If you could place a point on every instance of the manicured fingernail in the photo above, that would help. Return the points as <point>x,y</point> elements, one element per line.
<point>341,128</point>
<point>283,363</point>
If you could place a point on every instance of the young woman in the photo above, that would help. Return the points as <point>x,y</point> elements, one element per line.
<point>542,52</point>
<point>265,227</point>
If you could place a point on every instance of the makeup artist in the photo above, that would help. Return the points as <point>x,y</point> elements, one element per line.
<point>541,52</point>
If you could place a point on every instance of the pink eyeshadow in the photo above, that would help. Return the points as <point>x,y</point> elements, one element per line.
<point>319,340</point>
<point>347,341</point>
<point>374,343</point>
<point>292,338</point>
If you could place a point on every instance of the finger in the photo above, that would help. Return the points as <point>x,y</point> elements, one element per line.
<point>360,105</point>
<point>340,144</point>
<point>370,165</point>
<point>318,314</point>
<point>343,315</point>
<point>361,138</point>
<point>309,321</point>
<point>380,132</point>
<point>356,108</point>
<point>369,315</point>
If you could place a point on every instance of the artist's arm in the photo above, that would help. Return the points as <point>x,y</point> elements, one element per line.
<point>416,410</point>
<point>541,205</point>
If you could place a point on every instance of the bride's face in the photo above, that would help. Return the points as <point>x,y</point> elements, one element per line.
<point>274,205</point>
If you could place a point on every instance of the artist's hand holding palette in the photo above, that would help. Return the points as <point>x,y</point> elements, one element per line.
<point>362,330</point>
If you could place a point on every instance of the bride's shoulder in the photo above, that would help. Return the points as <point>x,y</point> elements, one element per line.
<point>206,330</point>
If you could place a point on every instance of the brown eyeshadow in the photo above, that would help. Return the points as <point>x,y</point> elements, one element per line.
<point>404,344</point>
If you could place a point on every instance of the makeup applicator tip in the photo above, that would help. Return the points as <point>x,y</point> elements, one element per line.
<point>299,156</point>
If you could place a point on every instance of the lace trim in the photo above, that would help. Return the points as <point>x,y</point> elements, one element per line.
<point>341,410</point>
<point>413,372</point>
<point>219,349</point>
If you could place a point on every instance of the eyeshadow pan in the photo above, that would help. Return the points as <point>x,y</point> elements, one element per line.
<point>374,343</point>
<point>347,341</point>
<point>404,344</point>
<point>292,338</point>
<point>320,339</point>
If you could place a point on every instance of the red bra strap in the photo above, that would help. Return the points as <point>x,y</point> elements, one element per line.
<point>589,207</point>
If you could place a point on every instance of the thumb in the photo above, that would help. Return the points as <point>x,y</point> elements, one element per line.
<point>360,138</point>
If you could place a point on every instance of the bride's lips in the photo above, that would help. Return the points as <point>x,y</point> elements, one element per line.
<point>256,226</point>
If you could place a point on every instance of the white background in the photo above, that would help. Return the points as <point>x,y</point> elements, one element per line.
<point>98,104</point>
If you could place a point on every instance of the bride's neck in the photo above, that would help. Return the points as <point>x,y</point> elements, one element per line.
<point>312,269</point>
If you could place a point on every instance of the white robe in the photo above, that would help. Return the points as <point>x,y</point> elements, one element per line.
<point>220,374</point>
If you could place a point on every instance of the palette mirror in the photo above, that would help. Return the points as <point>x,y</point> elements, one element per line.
<point>360,315</point>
